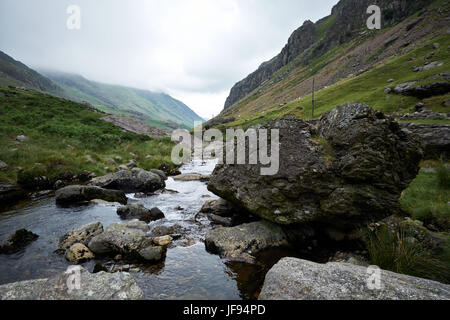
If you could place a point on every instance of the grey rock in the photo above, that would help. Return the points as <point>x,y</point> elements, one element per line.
<point>223,221</point>
<point>21,138</point>
<point>435,137</point>
<point>245,239</point>
<point>159,173</point>
<point>139,211</point>
<point>152,254</point>
<point>83,234</point>
<point>3,166</point>
<point>163,230</point>
<point>119,238</point>
<point>429,66</point>
<point>77,194</point>
<point>295,279</point>
<point>98,286</point>
<point>423,91</point>
<point>348,170</point>
<point>219,207</point>
<point>136,180</point>
<point>191,177</point>
<point>138,225</point>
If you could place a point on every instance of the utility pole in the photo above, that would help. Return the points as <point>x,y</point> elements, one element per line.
<point>313,87</point>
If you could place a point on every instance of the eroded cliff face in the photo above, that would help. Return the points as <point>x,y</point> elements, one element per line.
<point>311,40</point>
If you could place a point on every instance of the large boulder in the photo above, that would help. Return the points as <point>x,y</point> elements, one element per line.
<point>345,170</point>
<point>79,194</point>
<point>98,286</point>
<point>83,234</point>
<point>435,137</point>
<point>17,241</point>
<point>296,279</point>
<point>136,180</point>
<point>120,239</point>
<point>139,211</point>
<point>246,239</point>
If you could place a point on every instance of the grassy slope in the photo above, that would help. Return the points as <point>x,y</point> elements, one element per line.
<point>158,107</point>
<point>61,133</point>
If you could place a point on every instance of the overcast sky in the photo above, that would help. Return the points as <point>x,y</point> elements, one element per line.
<point>194,50</point>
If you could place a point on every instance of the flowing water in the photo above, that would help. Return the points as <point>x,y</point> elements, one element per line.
<point>188,272</point>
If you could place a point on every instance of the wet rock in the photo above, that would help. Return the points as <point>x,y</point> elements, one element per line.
<point>136,180</point>
<point>79,253</point>
<point>99,267</point>
<point>139,211</point>
<point>163,241</point>
<point>223,221</point>
<point>138,225</point>
<point>162,230</point>
<point>152,254</point>
<point>59,185</point>
<point>220,208</point>
<point>10,194</point>
<point>435,137</point>
<point>157,214</point>
<point>348,169</point>
<point>191,177</point>
<point>83,234</point>
<point>98,286</point>
<point>17,241</point>
<point>160,173</point>
<point>77,194</point>
<point>168,191</point>
<point>245,239</point>
<point>295,279</point>
<point>120,239</point>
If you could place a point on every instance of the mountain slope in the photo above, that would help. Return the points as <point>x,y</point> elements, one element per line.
<point>15,73</point>
<point>64,136</point>
<point>357,69</point>
<point>158,109</point>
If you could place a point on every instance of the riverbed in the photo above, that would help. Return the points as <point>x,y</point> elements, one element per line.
<point>188,272</point>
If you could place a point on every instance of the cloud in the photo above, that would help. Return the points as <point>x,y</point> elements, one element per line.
<point>192,49</point>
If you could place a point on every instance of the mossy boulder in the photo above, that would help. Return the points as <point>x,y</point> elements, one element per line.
<point>345,170</point>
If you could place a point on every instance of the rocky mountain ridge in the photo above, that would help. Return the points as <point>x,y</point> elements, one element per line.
<point>311,40</point>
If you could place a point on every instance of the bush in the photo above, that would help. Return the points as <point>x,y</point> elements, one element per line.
<point>443,176</point>
<point>399,252</point>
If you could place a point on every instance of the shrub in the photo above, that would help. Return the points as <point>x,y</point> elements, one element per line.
<point>395,250</point>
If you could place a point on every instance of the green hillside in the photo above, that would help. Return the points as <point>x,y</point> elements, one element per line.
<point>64,136</point>
<point>157,109</point>
<point>15,73</point>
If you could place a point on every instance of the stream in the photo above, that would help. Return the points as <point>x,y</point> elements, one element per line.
<point>189,272</point>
